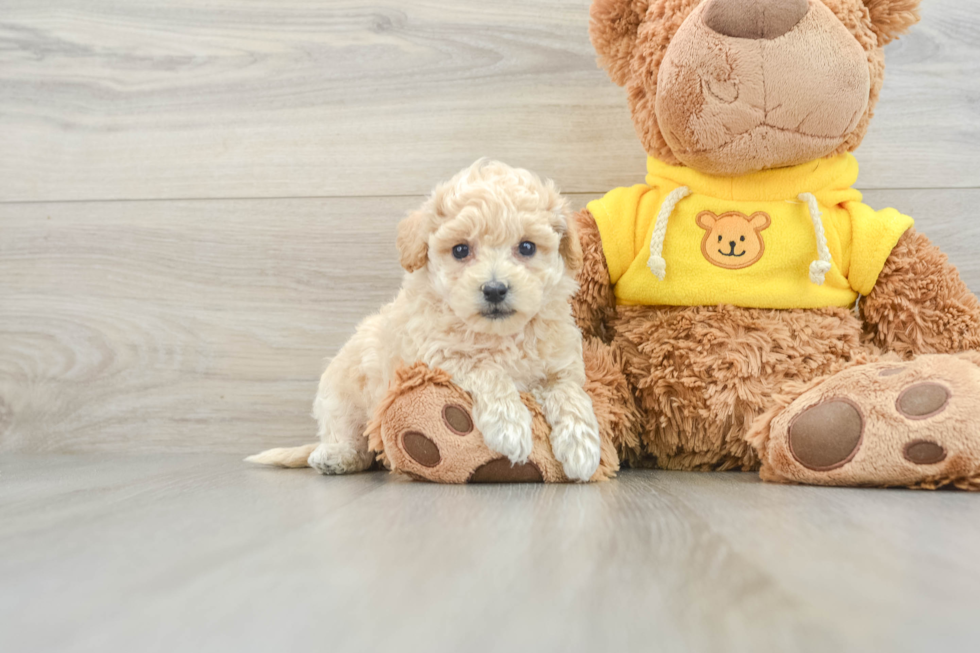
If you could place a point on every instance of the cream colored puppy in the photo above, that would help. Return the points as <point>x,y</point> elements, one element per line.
<point>490,260</point>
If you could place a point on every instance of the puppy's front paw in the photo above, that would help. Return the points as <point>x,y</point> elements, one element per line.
<point>507,430</point>
<point>337,458</point>
<point>576,446</point>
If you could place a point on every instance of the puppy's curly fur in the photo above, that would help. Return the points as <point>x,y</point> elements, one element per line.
<point>490,262</point>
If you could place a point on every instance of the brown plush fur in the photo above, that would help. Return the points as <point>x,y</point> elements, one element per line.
<point>594,305</point>
<point>705,373</point>
<point>620,420</point>
<point>892,18</point>
<point>631,38</point>
<point>920,305</point>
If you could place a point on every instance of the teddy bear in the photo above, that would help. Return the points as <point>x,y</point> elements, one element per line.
<point>743,309</point>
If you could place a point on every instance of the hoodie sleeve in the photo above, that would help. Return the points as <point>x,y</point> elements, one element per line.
<point>874,235</point>
<point>616,216</point>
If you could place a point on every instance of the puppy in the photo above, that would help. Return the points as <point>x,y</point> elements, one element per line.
<point>490,260</point>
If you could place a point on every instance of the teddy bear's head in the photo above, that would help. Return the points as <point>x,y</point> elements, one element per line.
<point>730,87</point>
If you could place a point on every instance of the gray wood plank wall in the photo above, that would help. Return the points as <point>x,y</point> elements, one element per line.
<point>197,201</point>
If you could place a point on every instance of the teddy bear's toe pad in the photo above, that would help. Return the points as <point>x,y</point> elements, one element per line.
<point>421,449</point>
<point>923,400</point>
<point>826,436</point>
<point>923,452</point>
<point>913,424</point>
<point>457,419</point>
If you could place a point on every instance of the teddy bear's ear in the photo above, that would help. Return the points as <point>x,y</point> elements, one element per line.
<point>413,240</point>
<point>613,28</point>
<point>892,18</point>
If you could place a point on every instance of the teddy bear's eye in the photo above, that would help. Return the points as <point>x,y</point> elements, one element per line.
<point>719,239</point>
<point>742,239</point>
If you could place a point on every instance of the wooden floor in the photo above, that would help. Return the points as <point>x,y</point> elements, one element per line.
<point>197,205</point>
<point>200,553</point>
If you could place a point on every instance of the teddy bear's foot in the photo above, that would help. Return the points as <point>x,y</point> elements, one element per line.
<point>425,430</point>
<point>914,424</point>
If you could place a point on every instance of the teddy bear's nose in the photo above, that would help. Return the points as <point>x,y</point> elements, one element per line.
<point>754,19</point>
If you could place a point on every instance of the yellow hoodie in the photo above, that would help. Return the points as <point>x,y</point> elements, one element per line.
<point>790,238</point>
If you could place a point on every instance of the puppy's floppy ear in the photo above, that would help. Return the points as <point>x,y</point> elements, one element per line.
<point>413,240</point>
<point>892,18</point>
<point>570,248</point>
<point>613,28</point>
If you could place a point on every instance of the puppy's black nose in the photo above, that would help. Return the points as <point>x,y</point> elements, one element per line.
<point>494,291</point>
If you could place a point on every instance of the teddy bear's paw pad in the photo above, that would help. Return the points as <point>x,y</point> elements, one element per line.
<point>908,424</point>
<point>426,431</point>
<point>827,436</point>
<point>502,471</point>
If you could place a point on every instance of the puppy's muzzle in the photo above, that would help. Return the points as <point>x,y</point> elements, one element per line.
<point>494,292</point>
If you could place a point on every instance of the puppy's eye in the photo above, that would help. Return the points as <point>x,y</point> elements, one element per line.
<point>527,248</point>
<point>742,239</point>
<point>460,252</point>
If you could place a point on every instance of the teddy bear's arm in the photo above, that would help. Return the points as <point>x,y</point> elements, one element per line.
<point>920,305</point>
<point>594,303</point>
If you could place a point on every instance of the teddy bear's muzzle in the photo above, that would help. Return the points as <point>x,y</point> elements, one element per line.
<point>749,85</point>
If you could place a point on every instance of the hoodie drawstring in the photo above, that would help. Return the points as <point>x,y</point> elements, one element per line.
<point>657,264</point>
<point>820,267</point>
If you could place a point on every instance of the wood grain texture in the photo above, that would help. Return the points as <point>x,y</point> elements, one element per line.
<point>230,99</point>
<point>144,324</point>
<point>203,325</point>
<point>203,553</point>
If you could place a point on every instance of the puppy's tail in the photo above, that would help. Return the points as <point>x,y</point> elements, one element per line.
<point>291,457</point>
